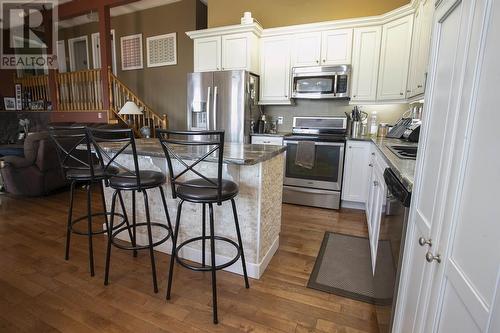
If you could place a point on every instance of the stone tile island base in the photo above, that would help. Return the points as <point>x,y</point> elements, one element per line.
<point>258,204</point>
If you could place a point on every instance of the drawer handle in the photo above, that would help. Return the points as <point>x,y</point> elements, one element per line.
<point>266,141</point>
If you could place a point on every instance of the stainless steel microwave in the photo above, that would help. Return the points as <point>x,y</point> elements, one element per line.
<point>321,82</point>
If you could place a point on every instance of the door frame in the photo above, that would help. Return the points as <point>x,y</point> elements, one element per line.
<point>59,42</point>
<point>113,50</point>
<point>71,42</point>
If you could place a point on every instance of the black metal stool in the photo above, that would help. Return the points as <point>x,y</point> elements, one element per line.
<point>206,191</point>
<point>134,180</point>
<point>80,166</point>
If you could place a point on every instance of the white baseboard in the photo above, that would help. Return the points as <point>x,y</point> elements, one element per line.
<point>353,205</point>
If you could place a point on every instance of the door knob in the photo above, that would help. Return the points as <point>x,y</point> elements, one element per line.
<point>430,257</point>
<point>422,241</point>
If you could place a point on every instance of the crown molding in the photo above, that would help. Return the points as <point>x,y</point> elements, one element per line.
<point>309,27</point>
<point>254,28</point>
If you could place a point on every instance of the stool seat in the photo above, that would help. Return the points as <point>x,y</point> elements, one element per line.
<point>196,190</point>
<point>85,174</point>
<point>148,179</point>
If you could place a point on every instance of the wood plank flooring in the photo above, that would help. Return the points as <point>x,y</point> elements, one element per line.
<point>41,292</point>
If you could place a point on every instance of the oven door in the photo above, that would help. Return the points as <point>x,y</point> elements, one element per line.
<point>327,171</point>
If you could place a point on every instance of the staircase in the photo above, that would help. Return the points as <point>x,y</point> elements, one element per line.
<point>82,91</point>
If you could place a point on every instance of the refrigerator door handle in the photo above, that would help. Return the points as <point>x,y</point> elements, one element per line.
<point>215,108</point>
<point>208,108</point>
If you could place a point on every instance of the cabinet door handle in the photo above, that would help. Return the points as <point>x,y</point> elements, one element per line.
<point>431,257</point>
<point>408,90</point>
<point>419,86</point>
<point>375,183</point>
<point>350,147</point>
<point>324,60</point>
<point>422,241</point>
<point>401,93</point>
<point>317,61</point>
<point>354,96</point>
<point>370,165</point>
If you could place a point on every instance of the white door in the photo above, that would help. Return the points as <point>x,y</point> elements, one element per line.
<point>235,51</point>
<point>61,56</point>
<point>356,176</point>
<point>96,51</point>
<point>275,70</point>
<point>78,53</point>
<point>455,205</point>
<point>365,60</point>
<point>394,59</point>
<point>306,49</point>
<point>207,54</point>
<point>336,47</point>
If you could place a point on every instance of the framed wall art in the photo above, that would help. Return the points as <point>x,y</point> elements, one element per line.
<point>131,52</point>
<point>161,50</point>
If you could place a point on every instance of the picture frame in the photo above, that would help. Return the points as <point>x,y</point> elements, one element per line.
<point>19,99</point>
<point>9,103</point>
<point>161,50</point>
<point>131,52</point>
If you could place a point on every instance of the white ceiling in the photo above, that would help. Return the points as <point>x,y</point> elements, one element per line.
<point>115,11</point>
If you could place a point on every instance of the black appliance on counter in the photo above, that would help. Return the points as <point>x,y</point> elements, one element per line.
<point>393,228</point>
<point>320,185</point>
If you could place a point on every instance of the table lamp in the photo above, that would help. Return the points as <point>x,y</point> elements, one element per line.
<point>130,108</point>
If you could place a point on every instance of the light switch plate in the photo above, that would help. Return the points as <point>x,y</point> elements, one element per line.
<point>280,120</point>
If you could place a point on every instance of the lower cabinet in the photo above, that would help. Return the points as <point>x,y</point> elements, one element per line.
<point>356,167</point>
<point>267,140</point>
<point>364,185</point>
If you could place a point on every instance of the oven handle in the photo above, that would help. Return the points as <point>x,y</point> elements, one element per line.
<point>308,190</point>
<point>333,144</point>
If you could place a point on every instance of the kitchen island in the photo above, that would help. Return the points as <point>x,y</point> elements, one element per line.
<point>257,169</point>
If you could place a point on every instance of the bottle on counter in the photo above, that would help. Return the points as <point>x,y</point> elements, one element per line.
<point>373,123</point>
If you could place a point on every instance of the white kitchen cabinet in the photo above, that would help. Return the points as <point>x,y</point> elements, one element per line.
<point>365,61</point>
<point>267,140</point>
<point>227,52</point>
<point>240,51</point>
<point>356,167</point>
<point>420,48</point>
<point>336,47</point>
<point>394,59</point>
<point>275,70</point>
<point>306,49</point>
<point>330,47</point>
<point>207,54</point>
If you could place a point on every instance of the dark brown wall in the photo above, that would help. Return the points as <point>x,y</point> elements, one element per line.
<point>162,88</point>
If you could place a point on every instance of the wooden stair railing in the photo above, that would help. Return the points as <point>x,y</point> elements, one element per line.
<point>81,91</point>
<point>119,94</point>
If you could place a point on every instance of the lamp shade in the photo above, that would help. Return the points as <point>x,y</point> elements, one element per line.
<point>130,108</point>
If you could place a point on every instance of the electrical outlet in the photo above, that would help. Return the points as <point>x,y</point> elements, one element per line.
<point>280,120</point>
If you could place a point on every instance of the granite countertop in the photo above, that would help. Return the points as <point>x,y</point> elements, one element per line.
<point>234,153</point>
<point>403,168</point>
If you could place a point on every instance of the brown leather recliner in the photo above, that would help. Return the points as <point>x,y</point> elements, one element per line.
<point>38,172</point>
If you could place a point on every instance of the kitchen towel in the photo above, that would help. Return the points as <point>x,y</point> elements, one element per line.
<point>306,154</point>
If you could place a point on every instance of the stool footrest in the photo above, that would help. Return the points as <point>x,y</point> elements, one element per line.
<point>85,217</point>
<point>141,247</point>
<point>207,268</point>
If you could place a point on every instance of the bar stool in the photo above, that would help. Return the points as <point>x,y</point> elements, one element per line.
<point>134,180</point>
<point>80,166</point>
<point>203,190</point>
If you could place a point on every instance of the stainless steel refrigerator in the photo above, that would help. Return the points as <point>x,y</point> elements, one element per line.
<point>225,100</point>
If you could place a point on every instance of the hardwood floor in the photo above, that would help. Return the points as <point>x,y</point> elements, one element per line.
<point>41,292</point>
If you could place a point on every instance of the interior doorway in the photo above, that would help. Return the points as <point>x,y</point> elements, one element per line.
<point>96,51</point>
<point>78,53</point>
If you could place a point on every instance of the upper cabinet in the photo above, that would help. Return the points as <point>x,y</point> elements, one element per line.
<point>222,49</point>
<point>365,60</point>
<point>394,58</point>
<point>336,47</point>
<point>306,49</point>
<point>421,41</point>
<point>329,47</point>
<point>207,54</point>
<point>275,65</point>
